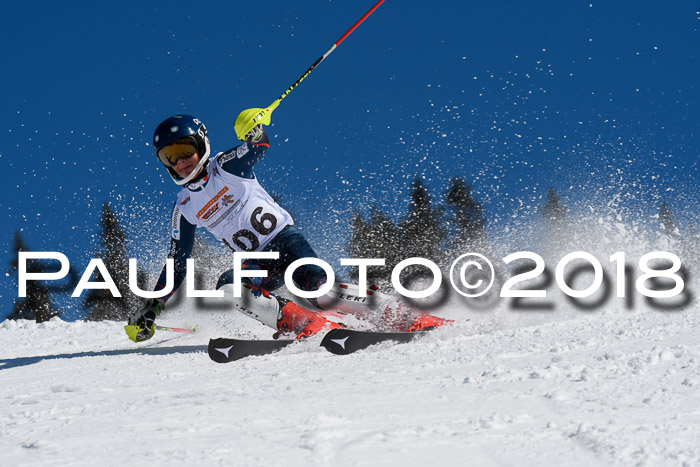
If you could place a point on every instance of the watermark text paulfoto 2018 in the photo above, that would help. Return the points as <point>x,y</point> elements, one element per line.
<point>657,275</point>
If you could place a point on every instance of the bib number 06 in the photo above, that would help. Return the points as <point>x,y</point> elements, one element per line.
<point>262,224</point>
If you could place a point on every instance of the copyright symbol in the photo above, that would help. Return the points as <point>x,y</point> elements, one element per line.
<point>472,275</point>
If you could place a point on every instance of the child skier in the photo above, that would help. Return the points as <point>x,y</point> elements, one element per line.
<point>223,195</point>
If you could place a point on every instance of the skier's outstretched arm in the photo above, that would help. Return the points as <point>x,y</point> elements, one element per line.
<point>241,159</point>
<point>181,243</point>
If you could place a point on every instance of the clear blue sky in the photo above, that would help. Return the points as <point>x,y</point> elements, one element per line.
<point>514,96</point>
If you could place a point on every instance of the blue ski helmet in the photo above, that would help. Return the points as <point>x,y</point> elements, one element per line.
<point>181,129</point>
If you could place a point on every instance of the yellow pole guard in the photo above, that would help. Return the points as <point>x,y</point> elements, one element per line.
<point>249,118</point>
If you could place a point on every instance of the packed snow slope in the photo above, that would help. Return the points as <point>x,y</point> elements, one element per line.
<point>603,388</point>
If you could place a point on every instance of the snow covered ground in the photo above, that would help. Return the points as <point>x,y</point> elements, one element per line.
<point>620,388</point>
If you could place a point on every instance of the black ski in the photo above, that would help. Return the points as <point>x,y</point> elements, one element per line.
<point>223,350</point>
<point>337,341</point>
<point>346,341</point>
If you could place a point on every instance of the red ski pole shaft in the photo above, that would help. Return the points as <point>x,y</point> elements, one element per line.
<point>354,26</point>
<point>168,328</point>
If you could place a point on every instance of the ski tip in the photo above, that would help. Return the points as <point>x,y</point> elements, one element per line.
<point>224,350</point>
<point>334,342</point>
<point>218,350</point>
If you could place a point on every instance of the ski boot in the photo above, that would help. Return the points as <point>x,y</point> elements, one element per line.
<point>302,322</point>
<point>427,322</point>
<point>403,317</point>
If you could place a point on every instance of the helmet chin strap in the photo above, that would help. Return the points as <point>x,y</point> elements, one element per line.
<point>197,169</point>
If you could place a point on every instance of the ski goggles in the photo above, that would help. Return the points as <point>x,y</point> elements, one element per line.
<point>170,154</point>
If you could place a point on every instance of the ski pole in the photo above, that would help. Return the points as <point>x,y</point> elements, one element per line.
<point>133,331</point>
<point>167,328</point>
<point>262,116</point>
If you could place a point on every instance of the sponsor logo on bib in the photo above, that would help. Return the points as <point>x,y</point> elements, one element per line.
<point>207,215</point>
<point>207,209</point>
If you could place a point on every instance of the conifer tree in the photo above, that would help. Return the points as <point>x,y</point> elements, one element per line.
<point>37,304</point>
<point>386,240</point>
<point>100,303</point>
<point>469,222</point>
<point>359,234</point>
<point>419,234</point>
<point>422,231</point>
<point>668,221</point>
<point>378,238</point>
<point>554,211</point>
